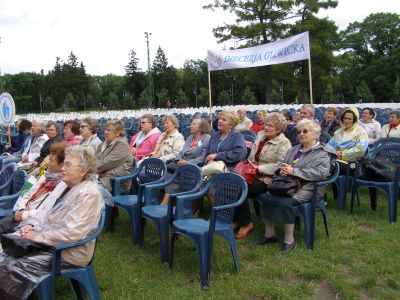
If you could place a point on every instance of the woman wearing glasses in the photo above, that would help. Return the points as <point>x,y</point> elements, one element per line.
<point>309,161</point>
<point>88,129</point>
<point>144,142</point>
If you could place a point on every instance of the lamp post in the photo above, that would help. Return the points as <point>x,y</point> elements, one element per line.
<point>149,77</point>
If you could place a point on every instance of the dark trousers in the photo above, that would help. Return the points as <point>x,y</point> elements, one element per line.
<point>7,225</point>
<point>242,212</point>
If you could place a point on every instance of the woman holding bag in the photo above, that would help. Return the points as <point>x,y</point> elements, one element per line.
<point>267,152</point>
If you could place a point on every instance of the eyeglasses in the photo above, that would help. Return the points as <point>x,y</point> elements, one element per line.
<point>83,126</point>
<point>69,165</point>
<point>144,122</point>
<point>305,131</point>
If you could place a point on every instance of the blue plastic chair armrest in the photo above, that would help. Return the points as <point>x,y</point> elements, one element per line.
<point>73,244</point>
<point>156,185</point>
<point>116,182</point>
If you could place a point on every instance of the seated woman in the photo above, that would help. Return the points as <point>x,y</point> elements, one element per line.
<point>53,133</point>
<point>71,133</point>
<point>393,128</point>
<point>309,161</point>
<point>351,141</point>
<point>227,144</point>
<point>114,157</point>
<point>33,206</point>
<point>170,143</point>
<point>193,152</point>
<point>370,125</point>
<point>75,215</point>
<point>21,142</point>
<point>144,142</point>
<point>259,124</point>
<point>88,130</point>
<point>330,124</point>
<point>267,153</point>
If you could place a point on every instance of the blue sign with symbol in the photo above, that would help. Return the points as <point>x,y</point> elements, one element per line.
<point>7,109</point>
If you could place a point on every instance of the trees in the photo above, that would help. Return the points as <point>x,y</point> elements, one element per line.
<point>135,81</point>
<point>372,54</point>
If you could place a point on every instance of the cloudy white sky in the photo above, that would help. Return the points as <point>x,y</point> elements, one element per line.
<point>102,33</point>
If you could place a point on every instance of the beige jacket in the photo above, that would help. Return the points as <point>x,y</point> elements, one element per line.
<point>114,160</point>
<point>72,219</point>
<point>272,154</point>
<point>171,147</point>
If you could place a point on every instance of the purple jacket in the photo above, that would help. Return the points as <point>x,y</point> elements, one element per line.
<point>231,150</point>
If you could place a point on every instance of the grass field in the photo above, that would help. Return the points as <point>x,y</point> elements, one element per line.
<point>361,260</point>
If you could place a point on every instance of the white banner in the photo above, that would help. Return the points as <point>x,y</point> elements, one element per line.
<point>286,50</point>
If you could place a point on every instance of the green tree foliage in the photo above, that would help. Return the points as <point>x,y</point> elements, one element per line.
<point>224,98</point>
<point>363,93</point>
<point>372,54</point>
<point>248,96</point>
<point>181,99</point>
<point>135,81</point>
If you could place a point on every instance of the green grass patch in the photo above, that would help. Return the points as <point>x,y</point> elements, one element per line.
<point>360,260</point>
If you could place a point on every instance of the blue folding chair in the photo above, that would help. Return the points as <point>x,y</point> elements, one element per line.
<point>307,210</point>
<point>391,188</point>
<point>229,191</point>
<point>81,279</point>
<point>10,192</point>
<point>151,170</point>
<point>189,177</point>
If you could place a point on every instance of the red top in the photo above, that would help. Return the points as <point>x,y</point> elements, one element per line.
<point>257,126</point>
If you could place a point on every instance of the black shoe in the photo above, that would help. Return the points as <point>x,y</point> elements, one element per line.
<point>264,240</point>
<point>286,248</point>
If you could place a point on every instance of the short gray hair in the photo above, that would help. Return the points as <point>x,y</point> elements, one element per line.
<point>277,120</point>
<point>150,118</point>
<point>118,125</point>
<point>310,108</point>
<point>310,124</point>
<point>395,112</point>
<point>172,118</point>
<point>86,158</point>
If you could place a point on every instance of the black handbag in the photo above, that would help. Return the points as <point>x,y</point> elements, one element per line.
<point>283,186</point>
<point>378,169</point>
<point>18,246</point>
<point>172,166</point>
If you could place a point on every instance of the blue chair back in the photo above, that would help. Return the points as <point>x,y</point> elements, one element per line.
<point>249,135</point>
<point>152,168</point>
<point>5,178</point>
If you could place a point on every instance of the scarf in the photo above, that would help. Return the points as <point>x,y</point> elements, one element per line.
<point>47,186</point>
<point>391,126</point>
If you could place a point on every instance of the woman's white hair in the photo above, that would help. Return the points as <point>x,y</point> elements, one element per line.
<point>310,124</point>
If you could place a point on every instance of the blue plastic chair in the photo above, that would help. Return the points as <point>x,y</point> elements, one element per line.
<point>6,173</point>
<point>344,183</point>
<point>10,192</point>
<point>391,188</point>
<point>229,191</point>
<point>151,170</point>
<point>81,279</point>
<point>190,179</point>
<point>249,135</point>
<point>307,210</point>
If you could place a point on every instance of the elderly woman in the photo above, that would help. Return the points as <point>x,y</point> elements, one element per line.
<point>170,143</point>
<point>114,157</point>
<point>308,162</point>
<point>227,144</point>
<point>259,124</point>
<point>88,130</point>
<point>330,124</point>
<point>74,216</point>
<point>351,141</point>
<point>267,153</point>
<point>244,122</point>
<point>393,128</point>
<point>53,133</point>
<point>370,125</point>
<point>144,142</point>
<point>71,132</point>
<point>33,206</point>
<point>193,152</point>
<point>38,138</point>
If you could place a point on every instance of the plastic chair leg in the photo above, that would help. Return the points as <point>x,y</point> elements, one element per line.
<point>392,204</point>
<point>78,288</point>
<point>231,240</point>
<point>308,236</point>
<point>205,265</point>
<point>324,213</point>
<point>45,289</point>
<point>372,197</point>
<point>171,250</point>
<point>163,231</point>
<point>109,222</point>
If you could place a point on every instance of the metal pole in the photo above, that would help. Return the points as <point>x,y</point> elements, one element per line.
<point>310,79</point>
<point>209,94</point>
<point>149,77</point>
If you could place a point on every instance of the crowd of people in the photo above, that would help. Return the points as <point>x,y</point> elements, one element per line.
<point>65,202</point>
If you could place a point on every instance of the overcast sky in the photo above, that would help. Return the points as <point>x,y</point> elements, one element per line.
<point>102,33</point>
